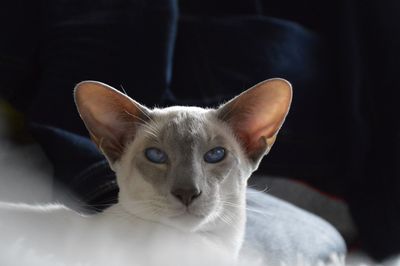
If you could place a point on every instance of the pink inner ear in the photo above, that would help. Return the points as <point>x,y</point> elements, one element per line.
<point>109,115</point>
<point>257,114</point>
<point>253,129</point>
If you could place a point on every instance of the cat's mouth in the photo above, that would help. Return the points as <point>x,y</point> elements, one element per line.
<point>186,220</point>
<point>188,212</point>
<point>194,216</point>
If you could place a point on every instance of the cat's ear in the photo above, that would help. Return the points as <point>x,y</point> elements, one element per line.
<point>257,114</point>
<point>110,116</point>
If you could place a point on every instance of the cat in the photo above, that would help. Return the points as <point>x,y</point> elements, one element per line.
<point>182,174</point>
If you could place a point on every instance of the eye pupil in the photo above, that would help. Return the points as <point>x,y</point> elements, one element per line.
<point>155,155</point>
<point>214,155</point>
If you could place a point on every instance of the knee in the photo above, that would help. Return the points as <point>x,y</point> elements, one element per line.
<point>282,232</point>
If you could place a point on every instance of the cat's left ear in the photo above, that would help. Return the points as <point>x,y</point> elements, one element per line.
<point>111,117</point>
<point>257,114</point>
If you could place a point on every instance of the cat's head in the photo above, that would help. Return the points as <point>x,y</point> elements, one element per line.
<point>184,166</point>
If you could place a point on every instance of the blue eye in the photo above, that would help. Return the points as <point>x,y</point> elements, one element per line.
<point>215,155</point>
<point>155,155</point>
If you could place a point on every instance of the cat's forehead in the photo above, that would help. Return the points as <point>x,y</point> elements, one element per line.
<point>185,122</point>
<point>174,111</point>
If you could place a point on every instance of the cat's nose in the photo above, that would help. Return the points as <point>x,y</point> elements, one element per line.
<point>186,195</point>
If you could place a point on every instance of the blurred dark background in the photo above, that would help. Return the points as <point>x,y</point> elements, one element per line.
<point>342,135</point>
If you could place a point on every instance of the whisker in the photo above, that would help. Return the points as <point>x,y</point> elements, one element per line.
<point>229,220</point>
<point>230,204</point>
<point>154,132</point>
<point>255,190</point>
<point>122,87</point>
<point>151,133</point>
<point>231,109</point>
<point>146,126</point>
<point>135,116</point>
<point>151,128</point>
<point>146,115</point>
<point>153,125</point>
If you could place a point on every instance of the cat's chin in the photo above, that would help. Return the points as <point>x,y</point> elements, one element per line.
<point>186,221</point>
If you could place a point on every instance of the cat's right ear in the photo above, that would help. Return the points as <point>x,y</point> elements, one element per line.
<point>110,116</point>
<point>257,114</point>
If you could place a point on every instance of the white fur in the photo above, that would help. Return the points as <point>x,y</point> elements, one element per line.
<point>105,249</point>
<point>135,234</point>
<point>132,190</point>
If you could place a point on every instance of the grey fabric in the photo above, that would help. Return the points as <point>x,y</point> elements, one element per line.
<point>333,210</point>
<point>280,231</point>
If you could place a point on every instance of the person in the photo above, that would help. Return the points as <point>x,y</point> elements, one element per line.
<point>203,53</point>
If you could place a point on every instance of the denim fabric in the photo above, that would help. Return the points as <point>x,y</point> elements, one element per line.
<point>82,176</point>
<point>282,232</point>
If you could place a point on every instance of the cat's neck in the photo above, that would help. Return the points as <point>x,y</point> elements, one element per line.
<point>230,232</point>
<point>227,234</point>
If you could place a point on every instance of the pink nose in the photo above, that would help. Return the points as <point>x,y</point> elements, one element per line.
<point>186,195</point>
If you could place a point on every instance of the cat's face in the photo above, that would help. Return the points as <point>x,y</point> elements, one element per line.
<point>186,167</point>
<point>182,168</point>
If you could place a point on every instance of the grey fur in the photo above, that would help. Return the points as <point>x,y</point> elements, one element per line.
<point>186,137</point>
<point>186,134</point>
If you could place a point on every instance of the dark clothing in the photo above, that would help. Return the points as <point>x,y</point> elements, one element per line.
<point>341,135</point>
